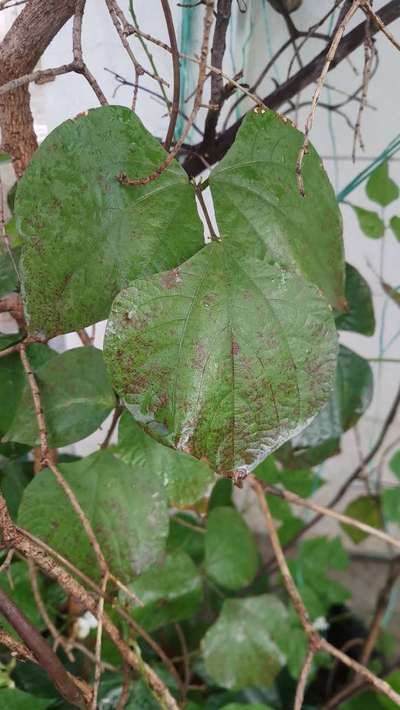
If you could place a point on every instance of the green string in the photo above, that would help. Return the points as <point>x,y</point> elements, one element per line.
<point>387,153</point>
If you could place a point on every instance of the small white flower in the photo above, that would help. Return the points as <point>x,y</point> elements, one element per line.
<point>84,624</point>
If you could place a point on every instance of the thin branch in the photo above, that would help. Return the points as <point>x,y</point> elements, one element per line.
<point>42,652</point>
<point>57,637</point>
<point>316,642</point>
<point>115,418</point>
<point>99,638</point>
<point>310,119</point>
<point>366,6</point>
<point>340,517</point>
<point>37,76</point>
<point>79,62</point>
<point>176,74</point>
<point>21,541</point>
<point>207,24</point>
<point>17,649</point>
<point>48,461</point>
<point>194,163</point>
<point>301,685</point>
<point>223,16</point>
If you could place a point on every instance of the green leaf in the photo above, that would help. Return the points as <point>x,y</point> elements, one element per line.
<point>394,464</point>
<point>359,317</point>
<point>14,699</point>
<point>310,569</point>
<point>76,397</point>
<point>4,157</point>
<point>380,187</point>
<point>395,226</point>
<point>186,536</point>
<point>9,339</point>
<point>350,399</point>
<point>14,477</point>
<point>370,223</point>
<point>85,236</point>
<point>8,275</point>
<point>186,480</point>
<point>367,510</point>
<point>221,494</point>
<point>218,357</point>
<point>169,592</point>
<point>17,585</point>
<point>391,505</point>
<point>243,647</point>
<point>126,507</point>
<point>303,482</point>
<point>231,556</point>
<point>13,381</point>
<point>256,197</point>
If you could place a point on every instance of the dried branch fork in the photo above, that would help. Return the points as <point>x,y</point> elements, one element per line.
<point>316,642</point>
<point>207,24</point>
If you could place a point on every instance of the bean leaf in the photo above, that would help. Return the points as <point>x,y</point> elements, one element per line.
<point>224,358</point>
<point>85,236</point>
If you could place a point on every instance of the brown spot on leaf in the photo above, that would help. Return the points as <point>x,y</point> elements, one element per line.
<point>235,349</point>
<point>171,278</point>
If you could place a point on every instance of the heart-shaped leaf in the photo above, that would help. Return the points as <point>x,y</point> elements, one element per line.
<point>224,358</point>
<point>256,195</point>
<point>84,234</point>
<point>380,186</point>
<point>253,629</point>
<point>126,507</point>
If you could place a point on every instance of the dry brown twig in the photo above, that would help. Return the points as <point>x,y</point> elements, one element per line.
<point>316,642</point>
<point>176,74</point>
<point>366,6</point>
<point>81,66</point>
<point>310,119</point>
<point>207,24</point>
<point>302,682</point>
<point>57,637</point>
<point>340,517</point>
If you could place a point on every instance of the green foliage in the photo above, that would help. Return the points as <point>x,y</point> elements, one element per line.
<point>126,507</point>
<point>169,592</point>
<point>380,187</point>
<point>370,222</point>
<point>8,274</point>
<point>110,233</point>
<point>395,226</point>
<point>359,316</point>
<point>76,398</point>
<point>231,557</point>
<point>14,699</point>
<point>214,360</point>
<point>253,629</point>
<point>310,568</point>
<point>219,355</point>
<point>367,510</point>
<point>185,478</point>
<point>349,400</point>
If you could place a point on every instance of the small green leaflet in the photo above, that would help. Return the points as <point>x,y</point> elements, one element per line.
<point>367,510</point>
<point>395,227</point>
<point>14,699</point>
<point>85,236</point>
<point>224,358</point>
<point>380,187</point>
<point>370,222</point>
<point>126,507</point>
